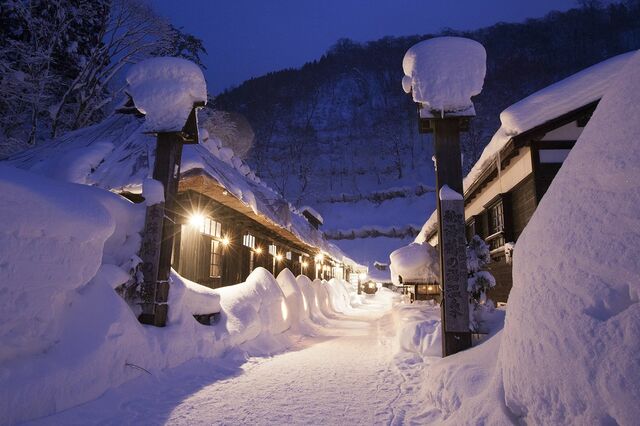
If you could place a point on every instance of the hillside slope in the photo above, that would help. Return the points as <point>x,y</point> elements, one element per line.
<point>339,133</point>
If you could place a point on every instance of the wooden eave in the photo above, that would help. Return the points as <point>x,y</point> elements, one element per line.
<point>512,147</point>
<point>199,181</point>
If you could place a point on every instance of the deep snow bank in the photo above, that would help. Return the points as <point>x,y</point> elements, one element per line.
<point>574,315</point>
<point>54,238</point>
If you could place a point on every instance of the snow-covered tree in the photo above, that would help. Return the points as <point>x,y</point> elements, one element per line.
<point>60,61</point>
<point>479,280</point>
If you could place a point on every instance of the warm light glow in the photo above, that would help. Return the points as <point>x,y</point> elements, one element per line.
<point>430,288</point>
<point>284,309</point>
<point>225,241</point>
<point>278,257</point>
<point>258,250</point>
<point>319,257</point>
<point>372,285</point>
<point>196,220</point>
<point>304,264</point>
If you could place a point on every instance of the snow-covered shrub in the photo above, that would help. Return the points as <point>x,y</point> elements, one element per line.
<point>479,280</point>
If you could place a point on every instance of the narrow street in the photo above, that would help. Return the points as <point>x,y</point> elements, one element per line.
<point>345,375</point>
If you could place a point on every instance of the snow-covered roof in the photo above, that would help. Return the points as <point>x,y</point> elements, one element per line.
<point>165,91</point>
<point>116,155</point>
<point>556,100</point>
<point>443,73</point>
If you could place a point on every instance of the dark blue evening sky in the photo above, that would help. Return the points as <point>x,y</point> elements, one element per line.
<point>248,38</point>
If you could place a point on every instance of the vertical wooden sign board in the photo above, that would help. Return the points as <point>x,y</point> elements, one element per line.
<point>451,236</point>
<point>454,273</point>
<point>157,239</point>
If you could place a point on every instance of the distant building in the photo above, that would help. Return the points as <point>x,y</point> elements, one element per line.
<point>505,186</point>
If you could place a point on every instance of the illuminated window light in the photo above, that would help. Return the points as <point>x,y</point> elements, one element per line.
<point>304,264</point>
<point>196,220</point>
<point>278,257</point>
<point>225,241</point>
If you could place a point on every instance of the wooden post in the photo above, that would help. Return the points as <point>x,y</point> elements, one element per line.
<point>157,239</point>
<point>451,236</point>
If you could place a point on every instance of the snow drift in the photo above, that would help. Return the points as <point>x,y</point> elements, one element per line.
<point>576,279</point>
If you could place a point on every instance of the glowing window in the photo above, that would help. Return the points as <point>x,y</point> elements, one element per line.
<point>249,241</point>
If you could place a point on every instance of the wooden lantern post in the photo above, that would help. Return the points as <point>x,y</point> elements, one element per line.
<point>157,238</point>
<point>451,236</point>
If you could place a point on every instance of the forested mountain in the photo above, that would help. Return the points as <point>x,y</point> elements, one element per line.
<point>340,128</point>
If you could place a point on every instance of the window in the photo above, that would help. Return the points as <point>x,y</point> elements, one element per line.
<point>470,229</point>
<point>288,255</point>
<point>216,259</point>
<point>496,226</point>
<point>550,156</point>
<point>249,240</point>
<point>272,249</point>
<point>211,227</point>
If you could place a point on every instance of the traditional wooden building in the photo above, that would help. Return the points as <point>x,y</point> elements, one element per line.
<point>505,186</point>
<point>229,221</point>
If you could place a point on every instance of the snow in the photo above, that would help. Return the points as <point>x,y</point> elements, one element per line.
<point>560,98</point>
<point>448,194</point>
<point>415,262</point>
<point>443,73</point>
<point>576,278</point>
<point>68,336</point>
<point>567,95</point>
<point>153,192</point>
<point>118,153</point>
<point>165,91</point>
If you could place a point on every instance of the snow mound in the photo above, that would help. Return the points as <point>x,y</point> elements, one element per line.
<point>165,91</point>
<point>51,243</point>
<point>339,295</point>
<point>573,310</point>
<point>294,297</point>
<point>443,73</point>
<point>415,262</point>
<point>418,329</point>
<point>187,299</point>
<point>254,307</point>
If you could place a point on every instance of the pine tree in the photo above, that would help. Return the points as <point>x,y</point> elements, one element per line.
<point>479,280</point>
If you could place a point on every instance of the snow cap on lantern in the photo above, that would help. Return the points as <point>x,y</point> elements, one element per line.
<point>166,90</point>
<point>443,74</point>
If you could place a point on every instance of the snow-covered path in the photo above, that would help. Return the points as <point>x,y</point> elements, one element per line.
<point>344,376</point>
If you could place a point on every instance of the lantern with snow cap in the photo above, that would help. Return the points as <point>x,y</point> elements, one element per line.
<point>167,92</point>
<point>442,74</point>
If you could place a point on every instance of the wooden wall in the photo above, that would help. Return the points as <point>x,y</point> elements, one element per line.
<point>192,250</point>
